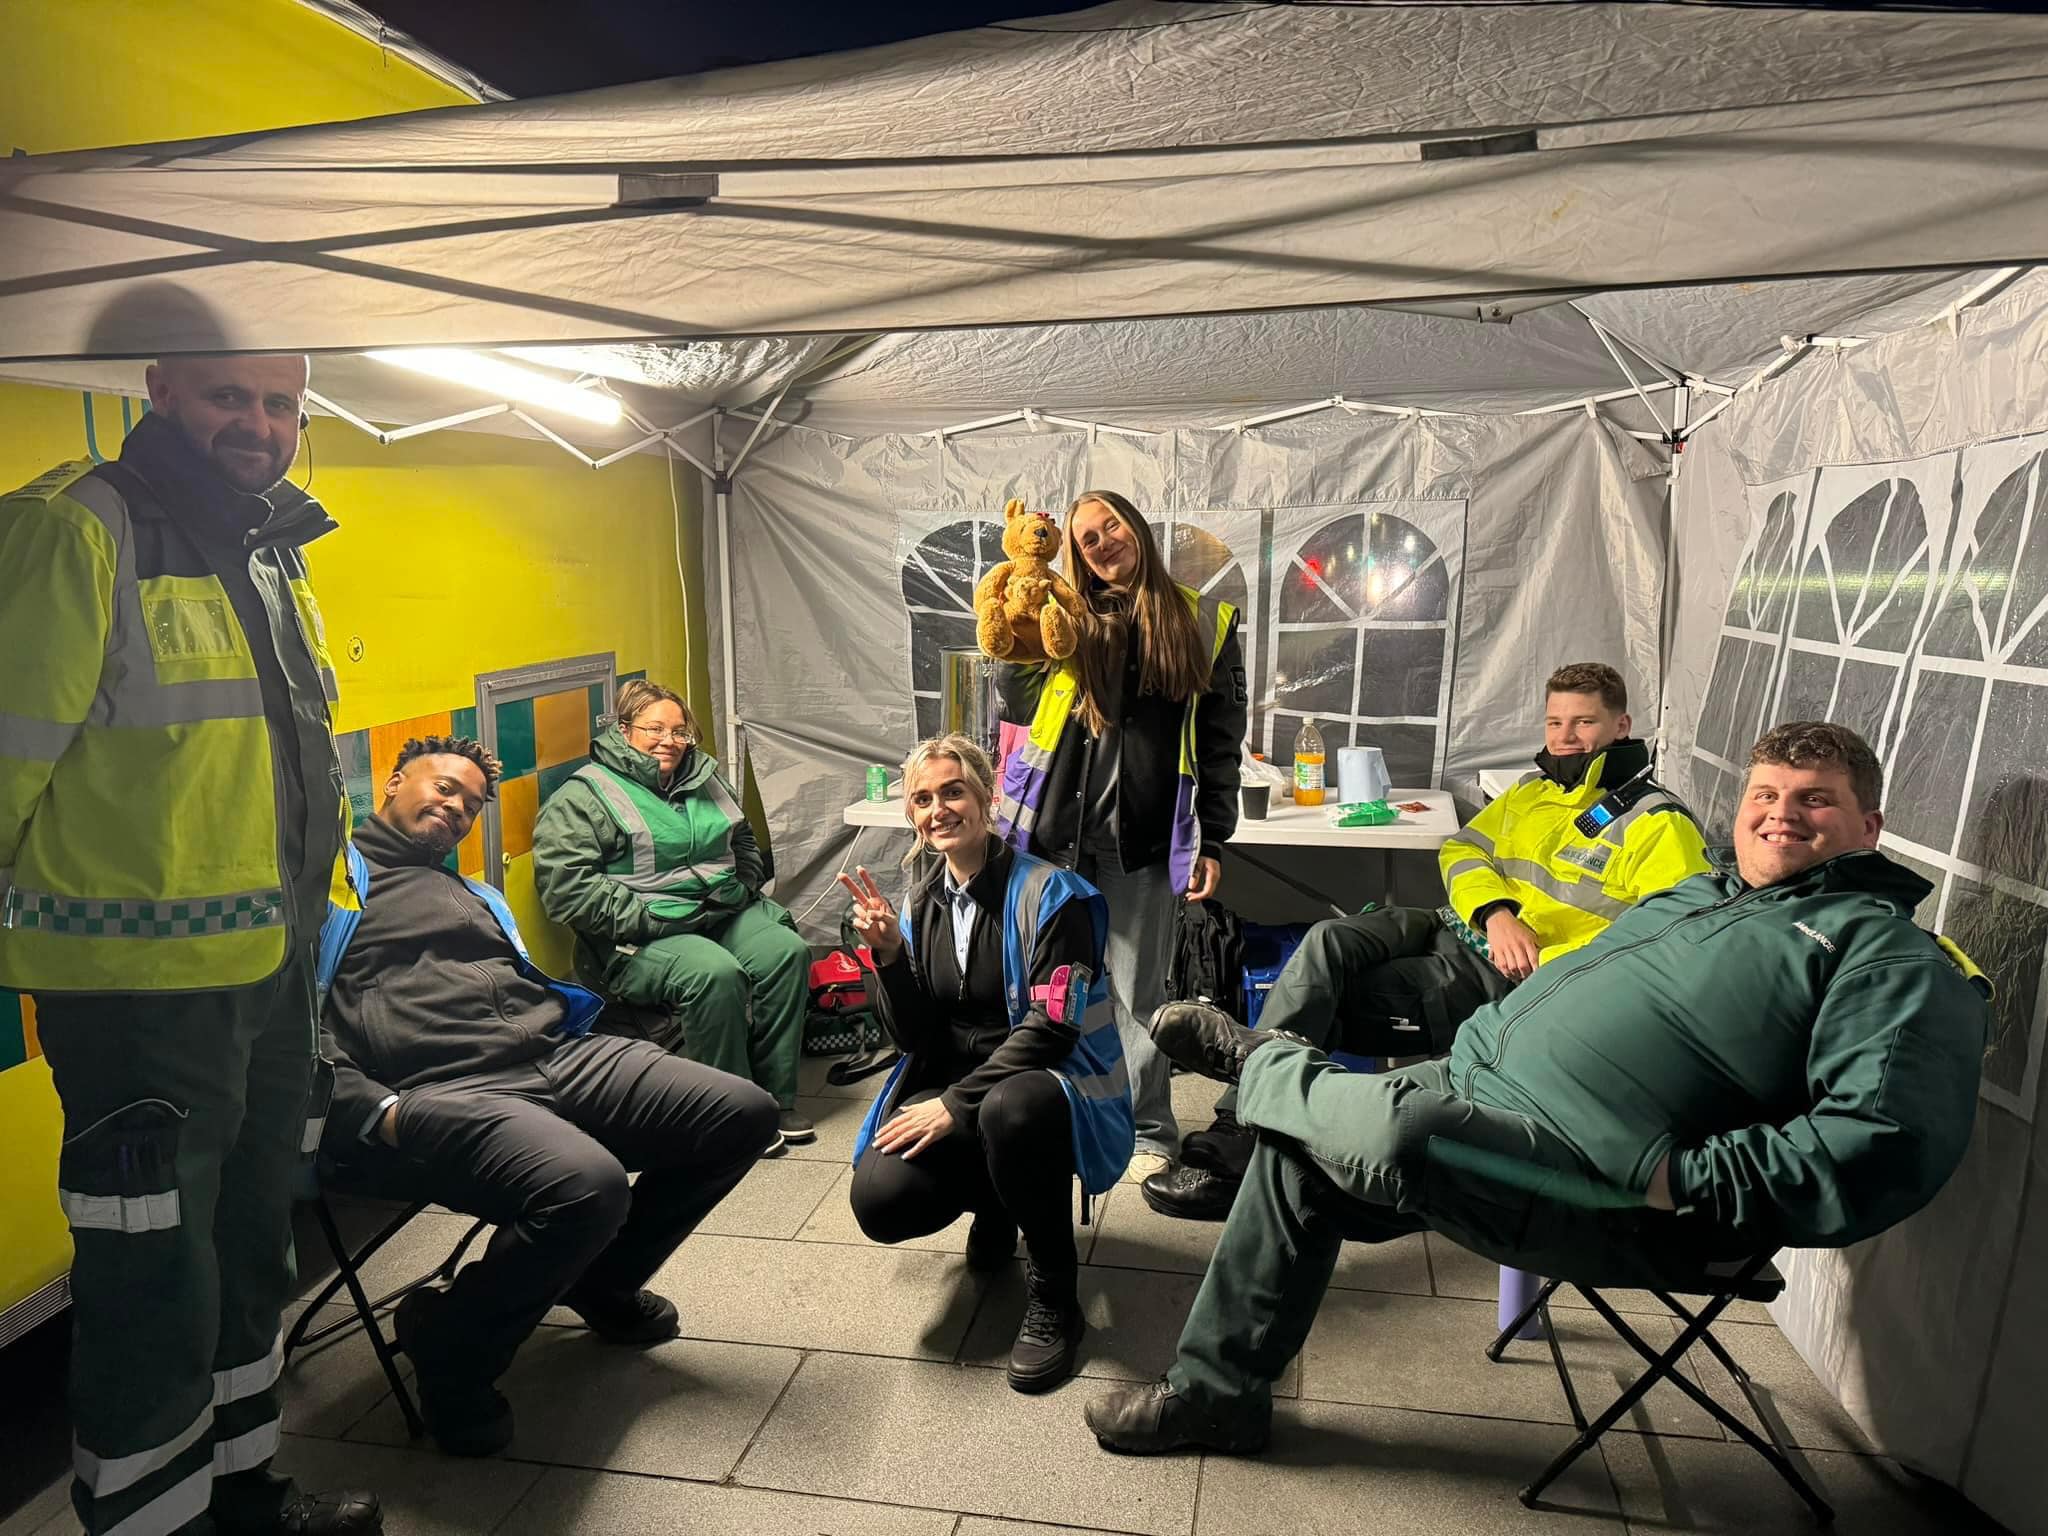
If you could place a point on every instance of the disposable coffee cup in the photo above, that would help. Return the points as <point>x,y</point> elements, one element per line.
<point>1254,797</point>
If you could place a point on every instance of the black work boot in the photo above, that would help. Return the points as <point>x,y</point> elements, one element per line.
<point>625,1317</point>
<point>1192,1194</point>
<point>1152,1419</point>
<point>1208,1040</point>
<point>465,1414</point>
<point>1049,1340</point>
<point>991,1241</point>
<point>1226,1147</point>
<point>260,1502</point>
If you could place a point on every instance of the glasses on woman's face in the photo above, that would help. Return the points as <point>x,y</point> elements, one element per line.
<point>679,734</point>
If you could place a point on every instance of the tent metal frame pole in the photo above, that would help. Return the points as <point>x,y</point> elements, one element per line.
<point>760,426</point>
<point>1627,372</point>
<point>314,397</point>
<point>1096,426</point>
<point>556,438</point>
<point>1795,348</point>
<point>1667,625</point>
<point>420,429</point>
<point>1601,399</point>
<point>1032,416</point>
<point>1979,294</point>
<point>1670,373</point>
<point>720,482</point>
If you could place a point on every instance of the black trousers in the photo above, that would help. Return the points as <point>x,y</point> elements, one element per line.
<point>542,1151</point>
<point>1018,1160</point>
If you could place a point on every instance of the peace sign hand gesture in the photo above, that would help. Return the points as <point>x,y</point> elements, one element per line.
<point>874,919</point>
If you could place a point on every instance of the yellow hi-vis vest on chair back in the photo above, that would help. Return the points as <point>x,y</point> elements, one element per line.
<point>140,803</point>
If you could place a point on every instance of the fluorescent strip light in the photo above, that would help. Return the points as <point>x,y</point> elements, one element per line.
<point>504,381</point>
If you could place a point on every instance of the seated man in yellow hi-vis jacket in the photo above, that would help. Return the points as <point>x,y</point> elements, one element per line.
<point>1539,872</point>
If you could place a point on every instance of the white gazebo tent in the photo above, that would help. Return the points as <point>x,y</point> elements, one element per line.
<point>1128,247</point>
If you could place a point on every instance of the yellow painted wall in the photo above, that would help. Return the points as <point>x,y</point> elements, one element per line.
<point>458,553</point>
<point>89,74</point>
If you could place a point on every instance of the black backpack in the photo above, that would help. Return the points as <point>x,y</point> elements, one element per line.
<point>1208,957</point>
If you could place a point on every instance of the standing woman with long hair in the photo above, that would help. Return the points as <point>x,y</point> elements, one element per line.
<point>1129,775</point>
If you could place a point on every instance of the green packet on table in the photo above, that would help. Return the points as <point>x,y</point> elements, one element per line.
<point>1369,813</point>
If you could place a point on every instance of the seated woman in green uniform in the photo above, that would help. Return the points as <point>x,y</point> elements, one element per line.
<point>645,853</point>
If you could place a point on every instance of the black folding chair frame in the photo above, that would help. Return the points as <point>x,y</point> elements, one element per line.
<point>1662,1365</point>
<point>347,1267</point>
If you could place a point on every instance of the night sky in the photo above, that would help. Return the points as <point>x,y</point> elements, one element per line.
<point>543,47</point>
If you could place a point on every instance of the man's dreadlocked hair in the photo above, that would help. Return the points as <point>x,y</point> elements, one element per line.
<point>453,746</point>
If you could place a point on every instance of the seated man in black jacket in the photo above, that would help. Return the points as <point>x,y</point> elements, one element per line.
<point>465,1074</point>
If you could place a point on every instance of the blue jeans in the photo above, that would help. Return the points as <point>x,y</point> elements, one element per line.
<point>1142,917</point>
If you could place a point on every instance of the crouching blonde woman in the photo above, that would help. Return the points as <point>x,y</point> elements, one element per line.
<point>1013,1080</point>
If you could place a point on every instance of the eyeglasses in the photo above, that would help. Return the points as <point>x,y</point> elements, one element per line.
<point>681,734</point>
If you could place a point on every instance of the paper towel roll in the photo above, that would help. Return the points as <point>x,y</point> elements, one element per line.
<point>1361,775</point>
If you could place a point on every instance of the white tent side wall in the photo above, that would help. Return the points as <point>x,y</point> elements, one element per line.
<point>1409,581</point>
<point>1867,537</point>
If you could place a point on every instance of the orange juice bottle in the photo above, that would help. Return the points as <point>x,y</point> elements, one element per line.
<point>1308,765</point>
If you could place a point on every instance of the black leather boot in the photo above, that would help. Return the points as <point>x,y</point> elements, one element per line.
<point>1049,1341</point>
<point>1152,1419</point>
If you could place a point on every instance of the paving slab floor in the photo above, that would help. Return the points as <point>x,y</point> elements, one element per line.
<point>825,1386</point>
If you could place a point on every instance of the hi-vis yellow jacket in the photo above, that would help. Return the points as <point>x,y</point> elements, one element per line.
<point>1567,886</point>
<point>144,843</point>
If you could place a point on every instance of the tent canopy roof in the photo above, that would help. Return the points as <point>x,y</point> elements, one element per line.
<point>1167,209</point>
<point>1139,159</point>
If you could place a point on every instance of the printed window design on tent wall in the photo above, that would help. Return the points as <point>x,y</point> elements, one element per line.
<point>938,575</point>
<point>1361,642</point>
<point>1201,559</point>
<point>1862,601</point>
<point>1968,776</point>
<point>1746,662</point>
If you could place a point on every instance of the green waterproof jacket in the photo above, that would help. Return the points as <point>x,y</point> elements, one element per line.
<point>1809,1058</point>
<point>577,842</point>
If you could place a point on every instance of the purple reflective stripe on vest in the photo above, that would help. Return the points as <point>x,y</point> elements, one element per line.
<point>1187,835</point>
<point>1024,788</point>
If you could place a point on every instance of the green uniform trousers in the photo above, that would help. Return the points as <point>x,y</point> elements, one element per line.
<point>1368,1157</point>
<point>184,1115</point>
<point>738,988</point>
<point>1392,982</point>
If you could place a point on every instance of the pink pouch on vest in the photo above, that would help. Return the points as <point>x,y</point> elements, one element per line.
<point>1054,994</point>
<point>1008,736</point>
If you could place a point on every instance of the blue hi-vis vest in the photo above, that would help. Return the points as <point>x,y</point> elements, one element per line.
<point>1097,1087</point>
<point>339,931</point>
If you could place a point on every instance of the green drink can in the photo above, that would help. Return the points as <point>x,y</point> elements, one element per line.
<point>878,782</point>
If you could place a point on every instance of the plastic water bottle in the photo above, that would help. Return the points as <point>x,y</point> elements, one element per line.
<point>1308,764</point>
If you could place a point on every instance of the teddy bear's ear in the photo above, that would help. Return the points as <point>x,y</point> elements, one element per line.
<point>1013,509</point>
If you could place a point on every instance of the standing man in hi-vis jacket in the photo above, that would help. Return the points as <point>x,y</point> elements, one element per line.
<point>172,812</point>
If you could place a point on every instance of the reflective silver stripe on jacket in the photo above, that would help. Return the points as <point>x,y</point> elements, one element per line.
<point>1583,894</point>
<point>1473,837</point>
<point>1617,830</point>
<point>120,1213</point>
<point>33,740</point>
<point>129,692</point>
<point>647,880</point>
<point>1457,866</point>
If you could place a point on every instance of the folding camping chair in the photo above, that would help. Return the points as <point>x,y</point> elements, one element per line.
<point>1754,1279</point>
<point>348,1265</point>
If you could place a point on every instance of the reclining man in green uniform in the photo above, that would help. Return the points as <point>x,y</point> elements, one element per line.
<point>1770,1056</point>
<point>1527,881</point>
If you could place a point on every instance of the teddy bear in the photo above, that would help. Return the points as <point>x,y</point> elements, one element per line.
<point>1023,610</point>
